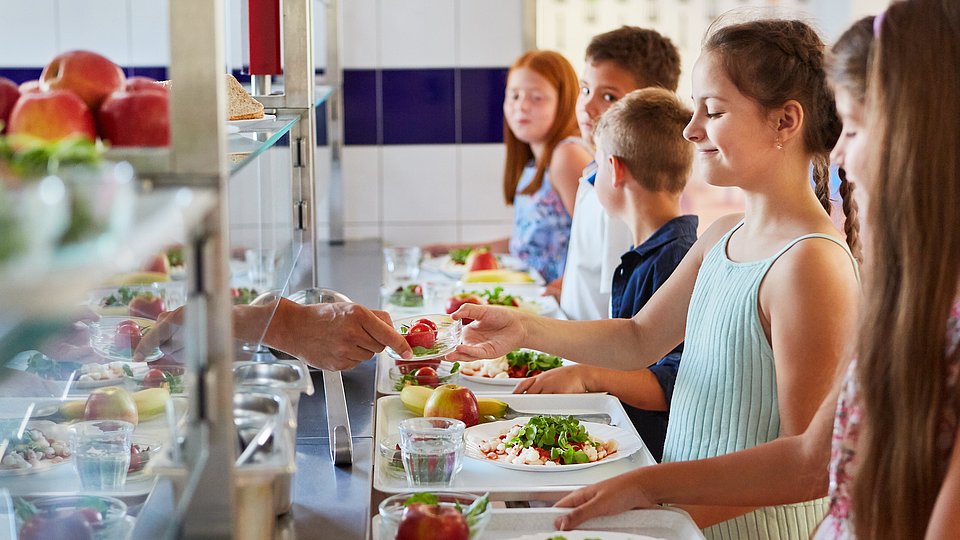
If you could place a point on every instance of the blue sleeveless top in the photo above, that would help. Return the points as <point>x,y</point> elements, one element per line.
<point>725,398</point>
<point>541,224</point>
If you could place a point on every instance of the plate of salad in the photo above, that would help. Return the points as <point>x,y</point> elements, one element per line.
<point>548,443</point>
<point>455,263</point>
<point>510,369</point>
<point>404,296</point>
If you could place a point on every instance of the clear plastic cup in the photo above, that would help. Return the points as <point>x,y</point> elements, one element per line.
<point>101,453</point>
<point>401,264</point>
<point>431,450</point>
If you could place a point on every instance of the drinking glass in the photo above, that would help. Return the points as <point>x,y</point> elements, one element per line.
<point>431,450</point>
<point>261,267</point>
<point>101,453</point>
<point>436,294</point>
<point>401,264</point>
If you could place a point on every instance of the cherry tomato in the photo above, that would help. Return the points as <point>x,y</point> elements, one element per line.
<point>154,378</point>
<point>427,376</point>
<point>127,322</point>
<point>428,322</point>
<point>127,337</point>
<point>420,335</point>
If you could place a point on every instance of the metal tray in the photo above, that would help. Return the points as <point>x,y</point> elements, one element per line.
<point>504,484</point>
<point>508,523</point>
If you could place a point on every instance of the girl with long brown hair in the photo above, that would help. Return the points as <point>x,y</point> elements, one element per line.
<point>545,157</point>
<point>894,468</point>
<point>765,302</point>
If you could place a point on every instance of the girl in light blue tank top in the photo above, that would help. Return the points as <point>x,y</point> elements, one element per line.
<point>725,398</point>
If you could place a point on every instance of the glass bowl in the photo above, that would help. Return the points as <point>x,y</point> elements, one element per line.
<point>406,374</point>
<point>148,447</point>
<point>112,512</point>
<point>391,512</point>
<point>389,450</point>
<point>103,333</point>
<point>447,338</point>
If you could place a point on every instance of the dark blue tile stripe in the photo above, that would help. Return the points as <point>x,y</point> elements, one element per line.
<point>420,106</point>
<point>20,75</point>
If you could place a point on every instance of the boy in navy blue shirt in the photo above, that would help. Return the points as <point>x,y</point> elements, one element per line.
<point>643,162</point>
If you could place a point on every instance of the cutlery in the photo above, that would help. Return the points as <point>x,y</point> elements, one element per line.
<point>598,418</point>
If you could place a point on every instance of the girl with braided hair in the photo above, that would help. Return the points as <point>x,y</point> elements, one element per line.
<point>889,431</point>
<point>765,302</point>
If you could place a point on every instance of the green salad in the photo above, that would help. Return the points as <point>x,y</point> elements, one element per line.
<point>563,436</point>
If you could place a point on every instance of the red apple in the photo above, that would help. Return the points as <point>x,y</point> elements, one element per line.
<point>9,94</point>
<point>146,305</point>
<point>431,521</point>
<point>452,401</point>
<point>111,403</point>
<point>481,259</point>
<point>27,87</point>
<point>89,75</point>
<point>457,300</point>
<point>139,82</point>
<point>157,263</point>
<point>136,118</point>
<point>52,116</point>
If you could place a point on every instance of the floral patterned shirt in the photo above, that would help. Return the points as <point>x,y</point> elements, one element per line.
<point>541,224</point>
<point>838,522</point>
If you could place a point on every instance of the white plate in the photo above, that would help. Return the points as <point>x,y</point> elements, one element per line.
<point>627,444</point>
<point>137,368</point>
<point>59,432</point>
<point>444,265</point>
<point>585,535</point>
<point>252,121</point>
<point>506,381</point>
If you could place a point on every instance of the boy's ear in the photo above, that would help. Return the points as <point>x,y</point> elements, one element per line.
<point>619,171</point>
<point>788,120</point>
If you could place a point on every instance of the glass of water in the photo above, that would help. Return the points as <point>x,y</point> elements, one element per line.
<point>401,264</point>
<point>431,450</point>
<point>101,453</point>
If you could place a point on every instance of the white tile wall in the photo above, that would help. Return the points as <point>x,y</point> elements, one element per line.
<point>101,26</point>
<point>29,37</point>
<point>150,33</point>
<point>360,34</point>
<point>319,34</point>
<point>420,183</point>
<point>478,233</point>
<point>481,183</point>
<point>489,32</point>
<point>417,33</point>
<point>361,184</point>
<point>443,232</point>
<point>233,49</point>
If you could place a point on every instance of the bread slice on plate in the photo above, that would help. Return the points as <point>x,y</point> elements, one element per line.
<point>240,104</point>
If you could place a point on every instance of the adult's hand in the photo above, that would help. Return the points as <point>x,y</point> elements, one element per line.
<point>563,380</point>
<point>606,498</point>
<point>333,336</point>
<point>494,332</point>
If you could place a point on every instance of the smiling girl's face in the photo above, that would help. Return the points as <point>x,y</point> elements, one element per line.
<point>736,143</point>
<point>529,105</point>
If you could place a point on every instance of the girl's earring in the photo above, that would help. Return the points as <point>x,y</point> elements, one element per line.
<point>779,144</point>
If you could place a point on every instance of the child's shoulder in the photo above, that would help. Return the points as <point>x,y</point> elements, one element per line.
<point>720,227</point>
<point>571,149</point>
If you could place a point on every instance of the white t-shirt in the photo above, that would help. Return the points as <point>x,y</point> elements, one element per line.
<point>597,240</point>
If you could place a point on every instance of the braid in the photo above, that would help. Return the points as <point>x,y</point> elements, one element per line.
<point>851,213</point>
<point>821,181</point>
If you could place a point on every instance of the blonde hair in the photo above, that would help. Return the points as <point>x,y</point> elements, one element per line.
<point>553,67</point>
<point>644,129</point>
<point>913,103</point>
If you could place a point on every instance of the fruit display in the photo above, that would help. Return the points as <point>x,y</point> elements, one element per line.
<point>147,403</point>
<point>414,399</point>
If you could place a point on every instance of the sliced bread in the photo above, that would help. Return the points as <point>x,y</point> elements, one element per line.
<point>240,104</point>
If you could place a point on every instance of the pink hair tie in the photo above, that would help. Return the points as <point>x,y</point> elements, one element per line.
<point>878,23</point>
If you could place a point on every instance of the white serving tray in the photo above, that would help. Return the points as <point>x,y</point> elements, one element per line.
<point>505,484</point>
<point>507,523</point>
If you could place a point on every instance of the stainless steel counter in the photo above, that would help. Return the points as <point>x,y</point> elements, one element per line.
<point>329,501</point>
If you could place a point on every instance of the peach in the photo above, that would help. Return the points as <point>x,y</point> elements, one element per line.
<point>91,76</point>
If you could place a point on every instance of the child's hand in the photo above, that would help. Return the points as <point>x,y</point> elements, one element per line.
<point>494,332</point>
<point>564,380</point>
<point>607,498</point>
<point>553,288</point>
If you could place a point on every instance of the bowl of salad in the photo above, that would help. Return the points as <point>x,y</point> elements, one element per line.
<point>430,336</point>
<point>451,516</point>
